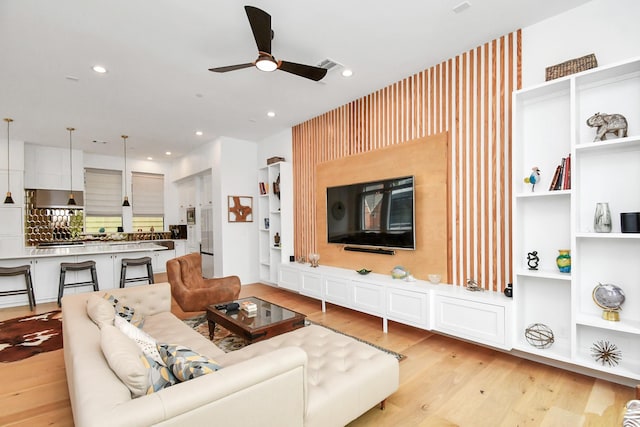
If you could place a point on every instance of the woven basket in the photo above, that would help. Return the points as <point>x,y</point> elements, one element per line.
<point>570,67</point>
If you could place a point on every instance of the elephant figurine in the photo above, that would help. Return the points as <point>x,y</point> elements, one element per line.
<point>608,123</point>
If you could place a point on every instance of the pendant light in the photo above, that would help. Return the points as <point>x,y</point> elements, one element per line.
<point>8,199</point>
<point>72,200</point>
<point>126,198</point>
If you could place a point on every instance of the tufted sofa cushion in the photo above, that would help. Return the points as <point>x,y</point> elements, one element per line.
<point>343,374</point>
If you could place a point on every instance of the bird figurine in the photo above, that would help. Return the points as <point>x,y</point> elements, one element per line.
<point>533,178</point>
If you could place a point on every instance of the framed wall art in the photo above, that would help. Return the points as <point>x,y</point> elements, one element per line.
<point>191,216</point>
<point>240,208</point>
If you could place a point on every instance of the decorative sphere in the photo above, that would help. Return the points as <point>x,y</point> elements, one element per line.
<point>539,335</point>
<point>399,272</point>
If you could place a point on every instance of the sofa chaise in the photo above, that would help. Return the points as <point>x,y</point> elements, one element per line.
<point>308,377</point>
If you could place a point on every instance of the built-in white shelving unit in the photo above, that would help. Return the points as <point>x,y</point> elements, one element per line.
<point>549,124</point>
<point>275,215</point>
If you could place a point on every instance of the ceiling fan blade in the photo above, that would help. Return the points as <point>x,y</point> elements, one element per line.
<point>307,71</point>
<point>260,22</point>
<point>231,68</point>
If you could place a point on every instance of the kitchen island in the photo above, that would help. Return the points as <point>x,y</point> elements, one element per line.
<point>45,267</point>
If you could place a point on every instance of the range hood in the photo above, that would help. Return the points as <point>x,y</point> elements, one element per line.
<point>56,198</point>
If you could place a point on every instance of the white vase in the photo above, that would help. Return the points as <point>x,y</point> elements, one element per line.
<point>602,218</point>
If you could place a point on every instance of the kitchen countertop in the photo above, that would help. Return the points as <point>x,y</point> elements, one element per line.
<point>86,249</point>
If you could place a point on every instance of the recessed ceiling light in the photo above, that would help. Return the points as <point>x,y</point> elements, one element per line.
<point>199,133</point>
<point>149,158</point>
<point>168,153</point>
<point>347,73</point>
<point>462,7</point>
<point>99,69</point>
<point>271,114</point>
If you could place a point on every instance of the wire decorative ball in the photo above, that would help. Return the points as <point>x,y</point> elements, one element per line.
<point>539,335</point>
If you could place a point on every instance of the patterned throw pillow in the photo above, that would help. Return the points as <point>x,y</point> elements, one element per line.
<point>159,376</point>
<point>186,363</point>
<point>127,313</point>
<point>145,341</point>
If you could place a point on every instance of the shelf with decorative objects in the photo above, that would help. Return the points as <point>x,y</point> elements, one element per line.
<point>275,216</point>
<point>556,126</point>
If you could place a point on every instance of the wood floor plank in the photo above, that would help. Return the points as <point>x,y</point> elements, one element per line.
<point>443,381</point>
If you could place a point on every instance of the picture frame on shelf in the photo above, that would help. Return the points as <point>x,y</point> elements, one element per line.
<point>240,208</point>
<point>191,216</point>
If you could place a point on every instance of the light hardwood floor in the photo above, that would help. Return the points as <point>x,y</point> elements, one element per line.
<point>443,381</point>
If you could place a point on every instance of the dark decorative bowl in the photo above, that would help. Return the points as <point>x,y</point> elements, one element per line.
<point>363,271</point>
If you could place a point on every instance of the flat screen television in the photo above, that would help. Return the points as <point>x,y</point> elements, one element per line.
<point>378,214</point>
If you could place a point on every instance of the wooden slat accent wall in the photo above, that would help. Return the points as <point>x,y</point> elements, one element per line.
<point>469,97</point>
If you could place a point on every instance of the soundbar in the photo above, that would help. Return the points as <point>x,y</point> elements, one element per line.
<point>380,251</point>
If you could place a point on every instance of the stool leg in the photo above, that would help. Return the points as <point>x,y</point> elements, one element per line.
<point>150,273</point>
<point>94,278</point>
<point>123,274</point>
<point>61,286</point>
<point>30,294</point>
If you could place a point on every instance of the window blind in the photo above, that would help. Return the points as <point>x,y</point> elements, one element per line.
<point>103,192</point>
<point>148,193</point>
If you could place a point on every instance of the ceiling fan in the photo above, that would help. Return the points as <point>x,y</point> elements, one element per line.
<point>260,22</point>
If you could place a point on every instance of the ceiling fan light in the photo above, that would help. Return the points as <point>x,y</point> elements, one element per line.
<point>265,63</point>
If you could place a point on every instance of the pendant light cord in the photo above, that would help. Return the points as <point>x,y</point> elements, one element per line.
<point>126,189</point>
<point>8,171</point>
<point>70,164</point>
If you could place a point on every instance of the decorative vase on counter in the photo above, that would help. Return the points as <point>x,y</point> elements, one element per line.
<point>563,260</point>
<point>602,218</point>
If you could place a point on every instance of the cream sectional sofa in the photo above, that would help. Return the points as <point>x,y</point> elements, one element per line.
<point>307,377</point>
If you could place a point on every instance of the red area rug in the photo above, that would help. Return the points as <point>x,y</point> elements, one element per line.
<point>27,336</point>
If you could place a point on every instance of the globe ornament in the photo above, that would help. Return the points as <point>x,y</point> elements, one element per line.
<point>610,299</point>
<point>539,335</point>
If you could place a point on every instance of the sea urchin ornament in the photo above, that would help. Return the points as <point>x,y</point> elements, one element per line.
<point>606,352</point>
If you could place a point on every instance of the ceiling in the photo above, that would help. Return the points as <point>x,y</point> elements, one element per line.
<point>158,89</point>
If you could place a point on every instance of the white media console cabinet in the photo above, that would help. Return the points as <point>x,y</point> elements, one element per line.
<point>481,317</point>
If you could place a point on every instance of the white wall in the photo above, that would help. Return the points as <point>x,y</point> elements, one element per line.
<point>608,28</point>
<point>237,176</point>
<point>279,145</point>
<point>233,167</point>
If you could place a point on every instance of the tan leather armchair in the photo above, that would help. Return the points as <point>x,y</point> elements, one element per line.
<point>191,291</point>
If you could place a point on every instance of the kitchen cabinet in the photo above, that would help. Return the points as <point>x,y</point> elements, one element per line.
<point>11,229</point>
<point>180,247</point>
<point>49,168</point>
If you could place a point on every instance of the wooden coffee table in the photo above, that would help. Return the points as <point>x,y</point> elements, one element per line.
<point>270,320</point>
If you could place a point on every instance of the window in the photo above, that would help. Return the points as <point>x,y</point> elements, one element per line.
<point>148,201</point>
<point>102,200</point>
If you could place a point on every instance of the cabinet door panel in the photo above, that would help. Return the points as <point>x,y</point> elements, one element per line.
<point>481,322</point>
<point>337,290</point>
<point>368,298</point>
<point>289,278</point>
<point>408,307</point>
<point>311,285</point>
